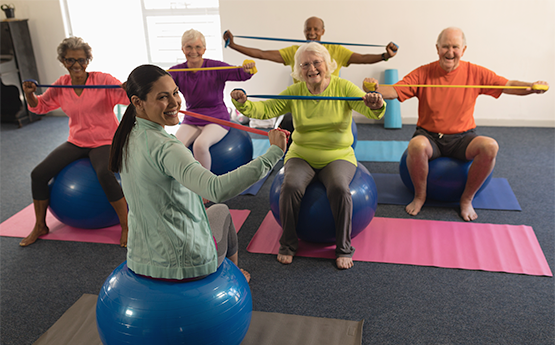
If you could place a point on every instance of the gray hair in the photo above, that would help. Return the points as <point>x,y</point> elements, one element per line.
<point>73,43</point>
<point>320,50</point>
<point>191,36</point>
<point>451,28</point>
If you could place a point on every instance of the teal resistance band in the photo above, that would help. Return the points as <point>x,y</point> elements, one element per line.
<point>316,98</point>
<point>305,41</point>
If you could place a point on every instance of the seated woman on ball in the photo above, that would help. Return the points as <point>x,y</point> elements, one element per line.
<point>92,124</point>
<point>171,233</point>
<point>321,143</point>
<point>203,93</point>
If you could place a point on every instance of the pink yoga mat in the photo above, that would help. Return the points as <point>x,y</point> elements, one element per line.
<point>22,223</point>
<point>472,246</point>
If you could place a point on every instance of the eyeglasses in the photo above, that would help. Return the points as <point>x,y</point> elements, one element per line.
<point>197,48</point>
<point>315,63</point>
<point>72,61</point>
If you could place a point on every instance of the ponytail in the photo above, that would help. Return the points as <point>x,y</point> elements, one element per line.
<point>121,138</point>
<point>139,83</point>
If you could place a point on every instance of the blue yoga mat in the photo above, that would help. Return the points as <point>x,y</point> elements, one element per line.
<point>497,195</point>
<point>365,151</point>
<point>259,147</point>
<point>252,190</point>
<point>380,151</point>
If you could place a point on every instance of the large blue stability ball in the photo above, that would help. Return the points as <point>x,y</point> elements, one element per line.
<point>234,150</point>
<point>77,198</point>
<point>446,178</point>
<point>134,309</point>
<point>316,222</point>
<point>355,134</point>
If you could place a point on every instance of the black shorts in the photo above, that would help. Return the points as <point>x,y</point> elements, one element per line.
<point>448,145</point>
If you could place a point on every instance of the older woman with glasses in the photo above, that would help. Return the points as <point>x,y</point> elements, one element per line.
<point>92,124</point>
<point>203,93</point>
<point>321,145</point>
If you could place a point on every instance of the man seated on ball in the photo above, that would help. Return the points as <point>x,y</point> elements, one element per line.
<point>446,124</point>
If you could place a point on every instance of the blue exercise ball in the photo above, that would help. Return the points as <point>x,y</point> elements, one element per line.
<point>316,222</point>
<point>235,149</point>
<point>77,198</point>
<point>134,309</point>
<point>355,134</point>
<point>446,178</point>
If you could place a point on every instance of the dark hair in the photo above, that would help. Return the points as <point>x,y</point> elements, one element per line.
<point>139,83</point>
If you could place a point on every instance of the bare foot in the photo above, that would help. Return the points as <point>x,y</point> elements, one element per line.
<point>246,274</point>
<point>123,237</point>
<point>467,211</point>
<point>34,235</point>
<point>285,259</point>
<point>344,263</point>
<point>415,206</point>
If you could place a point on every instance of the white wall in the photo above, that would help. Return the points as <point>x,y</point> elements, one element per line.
<point>47,31</point>
<point>516,39</point>
<point>121,46</point>
<point>116,52</point>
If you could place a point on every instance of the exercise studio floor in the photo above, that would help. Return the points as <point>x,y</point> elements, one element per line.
<point>398,303</point>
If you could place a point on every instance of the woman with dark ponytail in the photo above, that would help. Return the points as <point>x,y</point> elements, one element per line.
<point>171,234</point>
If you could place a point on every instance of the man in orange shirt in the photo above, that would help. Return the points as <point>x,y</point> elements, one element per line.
<point>446,124</point>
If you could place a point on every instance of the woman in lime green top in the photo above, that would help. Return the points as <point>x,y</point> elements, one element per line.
<point>171,234</point>
<point>321,143</point>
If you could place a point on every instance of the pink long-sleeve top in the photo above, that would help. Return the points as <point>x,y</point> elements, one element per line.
<point>92,122</point>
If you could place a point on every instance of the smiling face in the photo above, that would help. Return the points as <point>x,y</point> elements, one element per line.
<point>193,51</point>
<point>313,29</point>
<point>76,62</point>
<point>313,68</point>
<point>450,49</point>
<point>162,103</point>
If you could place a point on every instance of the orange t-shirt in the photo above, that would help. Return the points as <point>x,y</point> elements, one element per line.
<point>448,110</point>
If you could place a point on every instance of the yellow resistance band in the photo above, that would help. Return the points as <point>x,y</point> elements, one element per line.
<point>251,71</point>
<point>372,86</point>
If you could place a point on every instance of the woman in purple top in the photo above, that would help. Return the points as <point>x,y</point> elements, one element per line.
<point>204,94</point>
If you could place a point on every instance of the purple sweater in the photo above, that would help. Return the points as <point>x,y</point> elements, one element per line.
<point>204,90</point>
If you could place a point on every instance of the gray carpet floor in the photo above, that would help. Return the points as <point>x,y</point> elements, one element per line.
<point>400,304</point>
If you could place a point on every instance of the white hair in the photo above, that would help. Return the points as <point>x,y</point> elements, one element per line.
<point>191,36</point>
<point>318,49</point>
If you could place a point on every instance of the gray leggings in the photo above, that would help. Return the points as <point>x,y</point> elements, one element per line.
<point>223,231</point>
<point>336,177</point>
<point>64,155</point>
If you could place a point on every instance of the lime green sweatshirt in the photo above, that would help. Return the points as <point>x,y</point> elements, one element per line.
<point>322,128</point>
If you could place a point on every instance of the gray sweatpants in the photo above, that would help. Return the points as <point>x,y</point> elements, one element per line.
<point>223,231</point>
<point>336,177</point>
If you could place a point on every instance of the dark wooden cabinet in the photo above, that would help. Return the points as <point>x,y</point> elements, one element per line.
<point>17,63</point>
